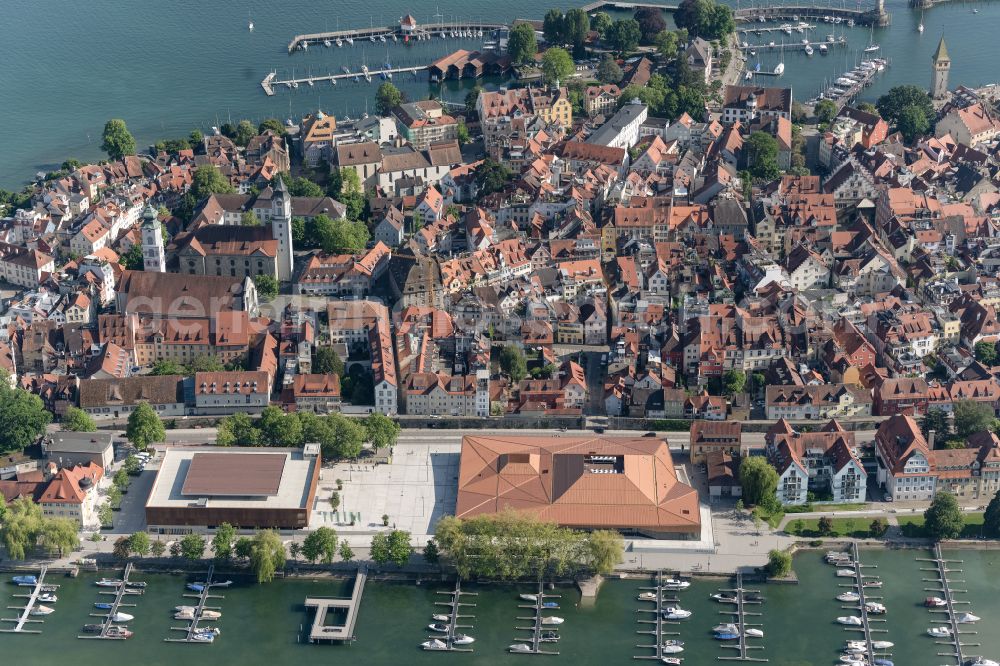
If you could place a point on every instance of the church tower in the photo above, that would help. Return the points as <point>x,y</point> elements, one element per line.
<point>281,229</point>
<point>153,257</point>
<point>942,64</point>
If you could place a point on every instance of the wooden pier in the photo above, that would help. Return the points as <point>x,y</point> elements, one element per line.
<point>24,619</point>
<point>535,641</point>
<point>382,34</point>
<point>454,615</point>
<point>657,631</point>
<point>741,614</point>
<point>118,602</point>
<point>271,81</point>
<point>192,630</point>
<point>863,600</point>
<point>337,632</point>
<point>948,594</point>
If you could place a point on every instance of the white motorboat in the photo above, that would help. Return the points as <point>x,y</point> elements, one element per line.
<point>42,610</point>
<point>875,608</point>
<point>552,619</point>
<point>305,46</point>
<point>339,42</point>
<point>114,631</point>
<point>779,69</point>
<point>809,50</point>
<point>856,645</point>
<point>440,628</point>
<point>214,631</point>
<point>872,48</point>
<point>939,632</point>
<point>121,617</point>
<point>672,647</point>
<point>676,613</point>
<point>724,598</point>
<point>250,26</point>
<point>967,618</point>
<point>823,49</point>
<point>48,598</point>
<point>463,639</point>
<point>882,645</point>
<point>516,647</point>
<point>981,661</point>
<point>327,43</point>
<point>205,615</point>
<point>434,644</point>
<point>108,582</point>
<point>528,597</point>
<point>674,661</point>
<point>647,596</point>
<point>441,618</point>
<point>872,583</point>
<point>851,660</point>
<point>754,633</point>
<point>350,40</point>
<point>203,638</point>
<point>850,620</point>
<point>676,584</point>
<point>935,602</point>
<point>848,597</point>
<point>728,628</point>
<point>845,573</point>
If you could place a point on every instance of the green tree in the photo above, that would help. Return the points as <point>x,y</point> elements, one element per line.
<point>132,259</point>
<point>131,465</point>
<point>553,27</point>
<point>348,437</point>
<point>204,363</point>
<point>623,35</point>
<point>243,548</point>
<point>651,23</point>
<point>387,98</point>
<point>105,514</point>
<point>892,104</point>
<point>157,548</point>
<point>779,564</point>
<point>346,552</point>
<point>521,47</point>
<point>267,286</point>
<point>294,549</point>
<point>991,518</point>
<point>192,546</point>
<point>303,187</point>
<point>432,555</point>
<point>272,124</point>
<point>320,545</point>
<point>380,548</point>
<point>600,23</point>
<point>121,548</point>
<point>116,140</point>
<point>758,478</point>
<point>878,528</point>
<point>868,107</point>
<point>986,353</point>
<point>472,96</point>
<point>250,219</point>
<point>606,549</point>
<point>943,518</point>
<point>238,430</point>
<point>206,180</point>
<point>400,547</point>
<point>196,138</point>
<point>825,110</point>
<point>164,368</point>
<point>462,133</point>
<point>278,428</point>
<point>825,525</point>
<point>340,235</point>
<point>763,152</point>
<point>557,65</point>
<point>972,417</point>
<point>222,542</point>
<point>491,176</point>
<point>138,544</point>
<point>326,362</point>
<point>705,18</point>
<point>21,526</point>
<point>734,381</point>
<point>667,44</point>
<point>381,431</point>
<point>609,71</point>
<point>936,419</point>
<point>121,479</point>
<point>513,363</point>
<point>77,420</point>
<point>144,427</point>
<point>267,555</point>
<point>244,132</point>
<point>913,123</point>
<point>576,26</point>
<point>115,497</point>
<point>23,417</point>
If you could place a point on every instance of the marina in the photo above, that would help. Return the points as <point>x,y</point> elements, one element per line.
<point>660,644</point>
<point>951,622</point>
<point>453,640</point>
<point>860,583</point>
<point>271,81</point>
<point>326,606</point>
<point>31,607</point>
<point>743,627</point>
<point>850,85</point>
<point>109,629</point>
<point>457,30</point>
<point>193,633</point>
<point>540,624</point>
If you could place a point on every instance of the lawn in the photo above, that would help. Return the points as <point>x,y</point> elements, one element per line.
<point>852,527</point>
<point>913,526</point>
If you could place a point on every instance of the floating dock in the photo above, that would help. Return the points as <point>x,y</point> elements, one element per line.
<point>337,632</point>
<point>658,622</point>
<point>118,602</point>
<point>382,34</point>
<point>24,619</point>
<point>455,605</point>
<point>535,641</point>
<point>203,597</point>
<point>271,82</point>
<point>866,620</point>
<point>948,594</point>
<point>741,614</point>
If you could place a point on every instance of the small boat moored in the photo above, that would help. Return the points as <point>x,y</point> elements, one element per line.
<point>849,620</point>
<point>25,580</point>
<point>939,632</point>
<point>42,610</point>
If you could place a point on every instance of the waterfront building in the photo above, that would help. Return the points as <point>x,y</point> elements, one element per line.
<point>197,488</point>
<point>623,483</point>
<point>941,67</point>
<point>824,461</point>
<point>72,493</point>
<point>904,460</point>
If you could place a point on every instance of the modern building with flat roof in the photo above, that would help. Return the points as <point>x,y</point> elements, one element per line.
<point>204,487</point>
<point>623,483</point>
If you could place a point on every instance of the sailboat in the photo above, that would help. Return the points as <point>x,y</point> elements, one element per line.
<point>249,23</point>
<point>779,69</point>
<point>920,26</point>
<point>872,46</point>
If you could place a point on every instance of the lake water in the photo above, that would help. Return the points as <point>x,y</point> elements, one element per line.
<point>264,624</point>
<point>169,67</point>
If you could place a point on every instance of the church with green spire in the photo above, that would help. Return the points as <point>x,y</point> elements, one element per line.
<point>942,64</point>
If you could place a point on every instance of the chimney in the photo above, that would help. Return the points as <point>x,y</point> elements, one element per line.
<point>930,439</point>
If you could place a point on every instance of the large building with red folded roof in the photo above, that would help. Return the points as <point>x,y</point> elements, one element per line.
<point>622,483</point>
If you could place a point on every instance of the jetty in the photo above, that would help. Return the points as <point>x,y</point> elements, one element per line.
<point>947,592</point>
<point>763,29</point>
<point>455,605</point>
<point>742,625</point>
<point>795,46</point>
<point>22,621</point>
<point>320,630</point>
<point>271,81</point>
<point>421,32</point>
<point>119,595</point>
<point>191,632</point>
<point>863,76</point>
<point>535,640</point>
<point>863,599</point>
<point>658,622</point>
<point>777,12</point>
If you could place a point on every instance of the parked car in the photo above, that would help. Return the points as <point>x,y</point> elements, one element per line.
<point>599,430</point>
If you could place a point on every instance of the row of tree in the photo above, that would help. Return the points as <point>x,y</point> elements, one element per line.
<point>512,545</point>
<point>23,528</point>
<point>338,435</point>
